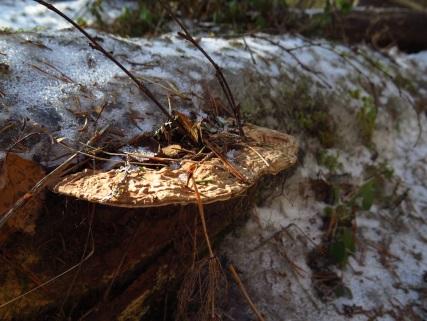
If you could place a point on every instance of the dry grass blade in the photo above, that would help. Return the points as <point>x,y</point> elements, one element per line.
<point>219,74</point>
<point>98,47</point>
<point>245,293</point>
<point>199,291</point>
<point>202,284</point>
<point>259,155</point>
<point>62,77</point>
<point>8,126</point>
<point>230,167</point>
<point>202,217</point>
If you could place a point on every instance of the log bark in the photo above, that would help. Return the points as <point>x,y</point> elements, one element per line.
<point>138,256</point>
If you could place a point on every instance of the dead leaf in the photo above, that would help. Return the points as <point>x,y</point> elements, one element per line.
<point>17,177</point>
<point>172,150</point>
<point>192,129</point>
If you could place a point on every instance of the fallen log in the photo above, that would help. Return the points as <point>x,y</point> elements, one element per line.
<point>382,28</point>
<point>118,226</point>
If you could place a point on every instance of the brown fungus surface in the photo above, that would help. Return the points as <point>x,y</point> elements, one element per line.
<point>265,152</point>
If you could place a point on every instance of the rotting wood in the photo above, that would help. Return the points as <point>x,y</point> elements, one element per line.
<point>245,292</point>
<point>160,252</point>
<point>17,176</point>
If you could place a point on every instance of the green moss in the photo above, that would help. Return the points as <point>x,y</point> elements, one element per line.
<point>137,22</point>
<point>366,119</point>
<point>329,161</point>
<point>81,22</point>
<point>304,109</point>
<point>404,83</point>
<point>149,16</point>
<point>318,123</point>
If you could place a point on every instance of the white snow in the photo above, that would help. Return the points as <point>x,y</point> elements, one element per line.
<point>277,288</point>
<point>28,15</point>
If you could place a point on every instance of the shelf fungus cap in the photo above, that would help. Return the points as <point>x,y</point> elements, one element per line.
<point>266,152</point>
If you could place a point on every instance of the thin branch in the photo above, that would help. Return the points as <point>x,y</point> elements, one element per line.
<point>249,50</point>
<point>202,217</point>
<point>97,46</point>
<point>219,74</point>
<point>296,59</point>
<point>245,293</point>
<point>228,165</point>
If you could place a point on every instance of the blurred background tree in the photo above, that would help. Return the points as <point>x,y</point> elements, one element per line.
<point>346,20</point>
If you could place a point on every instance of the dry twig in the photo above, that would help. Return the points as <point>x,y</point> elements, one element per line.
<point>202,282</point>
<point>218,72</point>
<point>245,293</point>
<point>95,45</point>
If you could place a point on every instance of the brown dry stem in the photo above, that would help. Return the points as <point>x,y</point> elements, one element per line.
<point>245,293</point>
<point>218,71</point>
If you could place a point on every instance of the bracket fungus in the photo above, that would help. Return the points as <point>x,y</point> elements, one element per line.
<point>266,152</point>
<point>120,236</point>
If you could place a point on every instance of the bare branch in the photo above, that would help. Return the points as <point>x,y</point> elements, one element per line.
<point>219,74</point>
<point>97,46</point>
